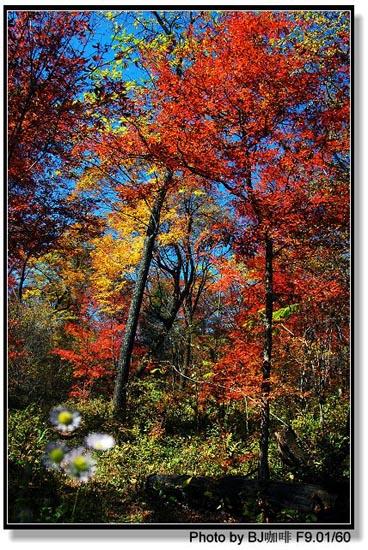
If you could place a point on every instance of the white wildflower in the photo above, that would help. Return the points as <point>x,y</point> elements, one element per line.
<point>100,442</point>
<point>54,455</point>
<point>65,420</point>
<point>79,464</point>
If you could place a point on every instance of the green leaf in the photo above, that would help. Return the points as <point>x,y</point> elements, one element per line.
<point>187,481</point>
<point>285,312</point>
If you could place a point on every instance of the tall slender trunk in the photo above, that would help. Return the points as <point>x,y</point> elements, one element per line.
<point>187,357</point>
<point>263,467</point>
<point>22,279</point>
<point>120,397</point>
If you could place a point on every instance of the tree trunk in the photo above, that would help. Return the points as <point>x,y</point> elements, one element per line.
<point>119,400</point>
<point>263,467</point>
<point>158,346</point>
<point>22,279</point>
<point>187,358</point>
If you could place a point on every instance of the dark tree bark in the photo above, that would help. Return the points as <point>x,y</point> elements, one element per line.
<point>290,450</point>
<point>183,275</point>
<point>263,467</point>
<point>120,392</point>
<point>187,358</point>
<point>22,279</point>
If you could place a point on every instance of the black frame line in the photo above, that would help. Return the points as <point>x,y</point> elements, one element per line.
<point>185,526</point>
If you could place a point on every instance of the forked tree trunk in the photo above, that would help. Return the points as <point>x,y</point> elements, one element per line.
<point>120,392</point>
<point>263,467</point>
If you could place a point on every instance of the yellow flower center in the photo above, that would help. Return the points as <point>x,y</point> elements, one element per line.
<point>65,417</point>
<point>56,455</point>
<point>80,464</point>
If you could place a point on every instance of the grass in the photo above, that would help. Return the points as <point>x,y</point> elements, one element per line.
<point>116,493</point>
<point>162,434</point>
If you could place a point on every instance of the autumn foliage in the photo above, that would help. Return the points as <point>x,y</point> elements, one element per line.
<point>179,198</point>
<point>93,356</point>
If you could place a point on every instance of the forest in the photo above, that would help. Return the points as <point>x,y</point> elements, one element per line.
<point>178,266</point>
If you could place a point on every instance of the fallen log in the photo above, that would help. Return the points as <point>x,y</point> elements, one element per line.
<point>236,491</point>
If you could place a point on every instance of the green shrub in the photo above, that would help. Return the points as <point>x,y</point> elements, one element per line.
<point>34,373</point>
<point>327,442</point>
